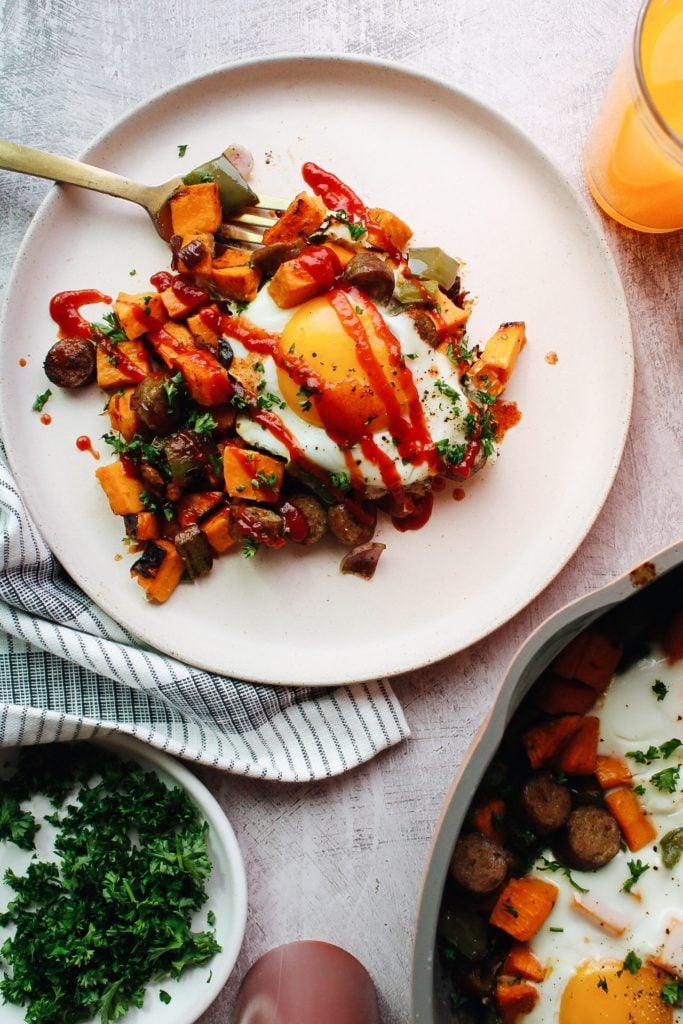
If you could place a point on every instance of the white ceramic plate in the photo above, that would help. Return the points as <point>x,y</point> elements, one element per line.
<point>465,179</point>
<point>197,988</point>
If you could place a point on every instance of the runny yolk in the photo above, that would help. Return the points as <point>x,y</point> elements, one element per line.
<point>607,993</point>
<point>348,403</point>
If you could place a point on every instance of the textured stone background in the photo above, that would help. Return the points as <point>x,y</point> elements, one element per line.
<point>343,860</point>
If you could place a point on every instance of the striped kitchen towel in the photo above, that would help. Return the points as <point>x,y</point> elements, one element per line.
<point>68,671</point>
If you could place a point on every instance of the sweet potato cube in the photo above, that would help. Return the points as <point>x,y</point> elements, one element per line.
<point>159,570</point>
<point>124,419</point>
<point>580,755</point>
<point>201,329</point>
<point>128,363</point>
<point>181,335</point>
<point>123,490</point>
<point>193,507</point>
<point>389,229</point>
<point>217,530</point>
<point>514,999</point>
<point>448,318</point>
<point>137,312</point>
<point>523,906</point>
<point>635,825</point>
<point>343,254</point>
<point>521,963</point>
<point>142,526</point>
<point>233,257</point>
<point>612,771</point>
<point>250,475</point>
<point>201,247</point>
<point>179,307</point>
<point>303,216</point>
<point>292,284</point>
<point>598,662</point>
<point>545,741</point>
<point>240,284</point>
<point>499,356</point>
<point>196,209</point>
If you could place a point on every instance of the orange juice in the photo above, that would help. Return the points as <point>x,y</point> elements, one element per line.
<point>634,157</point>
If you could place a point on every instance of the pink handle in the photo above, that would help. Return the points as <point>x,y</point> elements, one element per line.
<point>307,983</point>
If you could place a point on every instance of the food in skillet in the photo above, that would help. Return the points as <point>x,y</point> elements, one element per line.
<point>565,897</point>
<point>273,394</point>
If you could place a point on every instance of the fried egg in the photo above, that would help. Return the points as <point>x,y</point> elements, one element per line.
<point>378,403</point>
<point>604,949</point>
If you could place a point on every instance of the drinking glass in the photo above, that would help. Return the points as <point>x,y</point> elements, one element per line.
<point>634,155</point>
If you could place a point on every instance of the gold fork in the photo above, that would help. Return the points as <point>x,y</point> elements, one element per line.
<point>241,205</point>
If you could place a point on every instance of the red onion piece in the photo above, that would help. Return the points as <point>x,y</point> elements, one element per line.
<point>240,158</point>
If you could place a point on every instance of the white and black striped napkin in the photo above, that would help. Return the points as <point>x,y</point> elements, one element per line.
<point>68,671</point>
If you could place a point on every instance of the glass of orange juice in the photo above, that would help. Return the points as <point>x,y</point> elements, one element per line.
<point>634,156</point>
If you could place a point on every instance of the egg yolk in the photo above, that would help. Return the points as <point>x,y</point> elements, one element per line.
<point>359,390</point>
<point>606,993</point>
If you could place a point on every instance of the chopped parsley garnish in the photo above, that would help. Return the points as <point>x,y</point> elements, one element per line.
<point>239,402</point>
<point>182,149</point>
<point>264,479</point>
<point>453,454</point>
<point>201,422</point>
<point>639,790</point>
<point>554,865</point>
<point>164,996</point>
<point>152,504</point>
<point>359,310</point>
<point>671,993</point>
<point>509,909</point>
<point>636,869</point>
<point>632,962</point>
<point>173,386</point>
<point>250,547</point>
<point>269,400</point>
<point>40,400</point>
<point>484,398</point>
<point>654,753</point>
<point>94,927</point>
<point>136,449</point>
<point>448,391</point>
<point>341,481</point>
<point>110,327</point>
<point>667,780</point>
<point>602,983</point>
<point>470,422</point>
<point>355,230</point>
<point>132,273</point>
<point>660,689</point>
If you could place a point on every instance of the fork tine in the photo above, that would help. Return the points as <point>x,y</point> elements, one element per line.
<point>233,232</point>
<point>250,218</point>
<point>271,203</point>
<point>248,225</point>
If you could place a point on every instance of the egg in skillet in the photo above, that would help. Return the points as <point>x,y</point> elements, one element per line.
<point>613,954</point>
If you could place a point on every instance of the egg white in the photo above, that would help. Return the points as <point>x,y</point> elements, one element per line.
<point>443,417</point>
<point>631,718</point>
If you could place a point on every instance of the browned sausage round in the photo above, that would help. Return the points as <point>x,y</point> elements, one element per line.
<point>479,865</point>
<point>372,275</point>
<point>425,327</point>
<point>261,525</point>
<point>352,523</point>
<point>545,803</point>
<point>71,362</point>
<point>269,257</point>
<point>592,838</point>
<point>315,515</point>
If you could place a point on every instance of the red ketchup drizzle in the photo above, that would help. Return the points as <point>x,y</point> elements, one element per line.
<point>296,524</point>
<point>417,519</point>
<point>333,192</point>
<point>84,444</point>
<point>216,389</point>
<point>22,362</point>
<point>46,419</point>
<point>506,415</point>
<point>146,319</point>
<point>465,467</point>
<point>212,319</point>
<point>322,264</point>
<point>65,311</point>
<point>162,280</point>
<point>187,292</point>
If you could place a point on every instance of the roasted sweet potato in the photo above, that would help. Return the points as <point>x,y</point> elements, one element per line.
<point>499,357</point>
<point>125,363</point>
<point>303,216</point>
<point>389,228</point>
<point>123,490</point>
<point>159,570</point>
<point>136,313</point>
<point>196,209</point>
<point>217,530</point>
<point>523,906</point>
<point>124,419</point>
<point>292,284</point>
<point>251,475</point>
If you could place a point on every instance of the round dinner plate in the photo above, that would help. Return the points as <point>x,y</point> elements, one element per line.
<point>226,889</point>
<point>465,179</point>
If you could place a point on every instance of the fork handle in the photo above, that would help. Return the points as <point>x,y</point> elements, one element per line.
<point>25,160</point>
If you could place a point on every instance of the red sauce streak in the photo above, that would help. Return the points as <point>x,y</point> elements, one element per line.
<point>458,494</point>
<point>333,192</point>
<point>214,387</point>
<point>65,311</point>
<point>146,319</point>
<point>46,419</point>
<point>84,444</point>
<point>417,519</point>
<point>296,524</point>
<point>162,280</point>
<point>212,319</point>
<point>189,293</point>
<point>128,466</point>
<point>507,415</point>
<point>322,264</point>
<point>22,362</point>
<point>465,468</point>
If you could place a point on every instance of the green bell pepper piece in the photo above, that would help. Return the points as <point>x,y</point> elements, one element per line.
<point>234,191</point>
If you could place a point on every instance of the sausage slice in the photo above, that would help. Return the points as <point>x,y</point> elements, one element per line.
<point>479,865</point>
<point>71,362</point>
<point>545,803</point>
<point>592,838</point>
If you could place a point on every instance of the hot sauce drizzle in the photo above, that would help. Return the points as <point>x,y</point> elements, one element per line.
<point>65,311</point>
<point>84,444</point>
